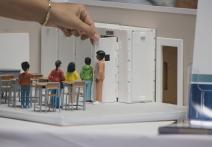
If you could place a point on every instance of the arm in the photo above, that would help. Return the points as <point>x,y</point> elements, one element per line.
<point>62,76</point>
<point>72,19</point>
<point>76,74</point>
<point>50,77</point>
<point>30,10</point>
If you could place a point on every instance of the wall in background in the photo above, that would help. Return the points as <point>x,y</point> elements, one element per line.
<point>203,45</point>
<point>13,26</point>
<point>14,49</point>
<point>167,25</point>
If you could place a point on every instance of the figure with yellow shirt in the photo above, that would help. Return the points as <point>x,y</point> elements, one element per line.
<point>72,74</point>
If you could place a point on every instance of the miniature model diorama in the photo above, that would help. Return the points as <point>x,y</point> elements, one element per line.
<point>86,74</point>
<point>56,75</point>
<point>25,82</point>
<point>99,73</point>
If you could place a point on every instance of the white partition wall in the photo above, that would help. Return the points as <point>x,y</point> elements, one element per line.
<point>49,49</point>
<point>83,49</point>
<point>55,46</point>
<point>66,50</point>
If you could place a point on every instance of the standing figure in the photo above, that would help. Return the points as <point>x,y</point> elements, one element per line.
<point>56,75</point>
<point>72,74</point>
<point>86,74</point>
<point>99,71</point>
<point>25,82</point>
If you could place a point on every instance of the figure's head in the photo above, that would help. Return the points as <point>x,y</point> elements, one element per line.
<point>25,66</point>
<point>71,67</point>
<point>100,55</point>
<point>88,61</point>
<point>57,64</point>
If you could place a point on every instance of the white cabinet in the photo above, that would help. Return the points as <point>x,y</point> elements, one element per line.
<point>132,66</point>
<point>136,61</point>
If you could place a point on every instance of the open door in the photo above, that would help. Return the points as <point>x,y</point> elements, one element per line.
<point>110,85</point>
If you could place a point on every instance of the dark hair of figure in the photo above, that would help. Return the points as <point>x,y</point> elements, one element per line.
<point>57,64</point>
<point>100,55</point>
<point>88,61</point>
<point>71,67</point>
<point>25,65</point>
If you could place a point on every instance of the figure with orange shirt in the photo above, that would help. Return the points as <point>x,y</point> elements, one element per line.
<point>25,82</point>
<point>99,71</point>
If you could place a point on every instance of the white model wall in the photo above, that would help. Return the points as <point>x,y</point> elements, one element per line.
<point>14,49</point>
<point>203,39</point>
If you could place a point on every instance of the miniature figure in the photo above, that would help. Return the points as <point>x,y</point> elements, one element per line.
<point>72,74</point>
<point>99,71</point>
<point>86,74</point>
<point>56,75</point>
<point>25,82</point>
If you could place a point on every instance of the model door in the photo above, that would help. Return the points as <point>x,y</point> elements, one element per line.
<point>110,85</point>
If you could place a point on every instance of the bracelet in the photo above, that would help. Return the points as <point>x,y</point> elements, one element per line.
<point>47,14</point>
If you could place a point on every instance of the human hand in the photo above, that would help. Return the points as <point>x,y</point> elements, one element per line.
<point>73,19</point>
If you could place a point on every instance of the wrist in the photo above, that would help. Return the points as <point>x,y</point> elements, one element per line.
<point>45,17</point>
<point>52,15</point>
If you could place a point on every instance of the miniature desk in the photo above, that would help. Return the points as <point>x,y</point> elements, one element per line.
<point>39,86</point>
<point>14,72</point>
<point>48,86</point>
<point>72,87</point>
<point>69,93</point>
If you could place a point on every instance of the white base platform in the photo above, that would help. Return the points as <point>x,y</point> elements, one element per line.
<point>107,113</point>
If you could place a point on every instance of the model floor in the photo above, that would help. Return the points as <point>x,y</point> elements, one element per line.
<point>103,113</point>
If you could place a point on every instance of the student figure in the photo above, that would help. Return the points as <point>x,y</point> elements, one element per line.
<point>56,75</point>
<point>100,71</point>
<point>86,74</point>
<point>72,75</point>
<point>25,82</point>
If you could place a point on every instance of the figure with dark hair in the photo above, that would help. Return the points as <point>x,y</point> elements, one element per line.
<point>25,82</point>
<point>72,74</point>
<point>99,71</point>
<point>56,75</point>
<point>86,74</point>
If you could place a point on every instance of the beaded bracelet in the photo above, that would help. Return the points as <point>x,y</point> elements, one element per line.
<point>47,14</point>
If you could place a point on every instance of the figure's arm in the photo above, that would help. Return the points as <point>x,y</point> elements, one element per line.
<point>62,76</point>
<point>72,19</point>
<point>50,77</point>
<point>77,77</point>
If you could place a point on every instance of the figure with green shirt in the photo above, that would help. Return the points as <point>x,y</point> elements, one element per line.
<point>86,74</point>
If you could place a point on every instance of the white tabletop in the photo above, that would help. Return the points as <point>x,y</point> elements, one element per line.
<point>24,134</point>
